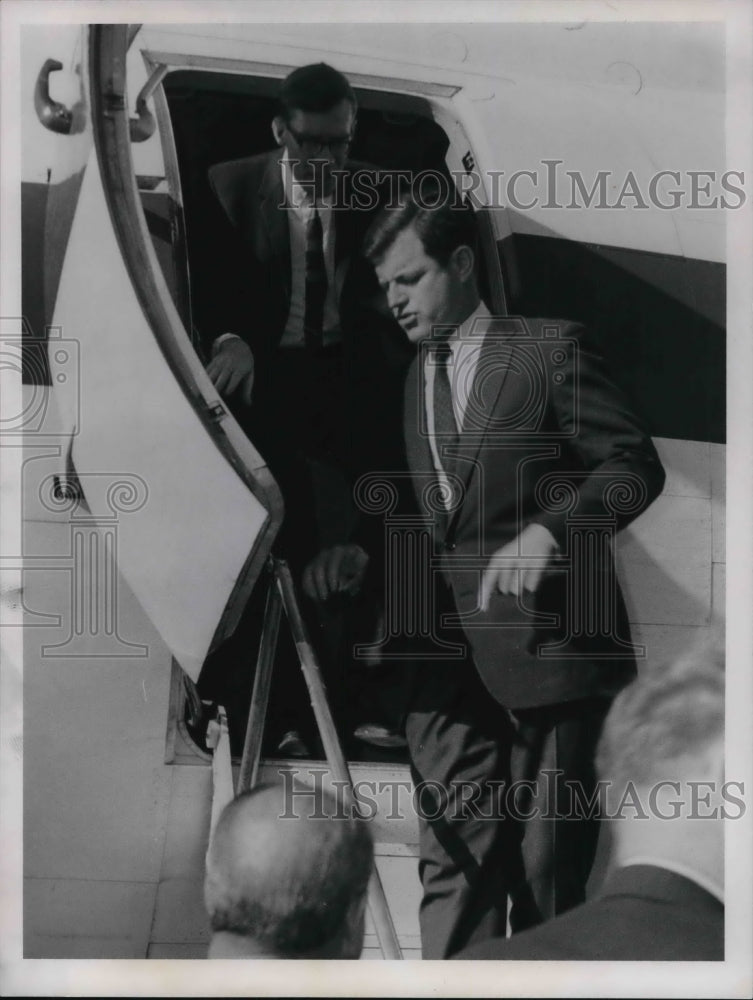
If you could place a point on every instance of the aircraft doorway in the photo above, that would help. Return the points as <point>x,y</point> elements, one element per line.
<point>215,117</point>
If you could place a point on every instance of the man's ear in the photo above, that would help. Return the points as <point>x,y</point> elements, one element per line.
<point>464,262</point>
<point>278,129</point>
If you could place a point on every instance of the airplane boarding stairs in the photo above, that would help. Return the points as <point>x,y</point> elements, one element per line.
<point>385,798</point>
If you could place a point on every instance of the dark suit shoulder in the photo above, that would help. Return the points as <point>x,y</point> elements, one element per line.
<point>645,914</point>
<point>352,166</point>
<point>230,170</point>
<point>541,327</point>
<point>614,930</point>
<point>236,182</point>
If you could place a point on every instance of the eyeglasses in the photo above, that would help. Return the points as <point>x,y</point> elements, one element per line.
<point>313,144</point>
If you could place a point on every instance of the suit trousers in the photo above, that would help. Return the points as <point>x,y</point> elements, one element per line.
<point>553,778</point>
<point>459,742</point>
<point>505,805</point>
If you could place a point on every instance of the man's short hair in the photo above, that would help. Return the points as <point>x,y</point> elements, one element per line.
<point>443,222</point>
<point>672,715</point>
<point>290,883</point>
<point>315,88</point>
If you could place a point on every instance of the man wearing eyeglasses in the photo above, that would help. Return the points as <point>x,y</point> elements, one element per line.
<point>292,352</point>
<point>292,246</point>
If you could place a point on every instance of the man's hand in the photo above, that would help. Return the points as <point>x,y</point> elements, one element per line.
<point>232,365</point>
<point>519,565</point>
<point>339,570</point>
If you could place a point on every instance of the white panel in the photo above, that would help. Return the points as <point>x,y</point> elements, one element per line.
<point>179,915</point>
<point>718,502</point>
<point>186,523</point>
<point>684,56</point>
<point>667,643</point>
<point>718,529</point>
<point>187,831</point>
<point>95,787</point>
<point>622,97</point>
<point>687,465</point>
<point>718,453</point>
<point>719,584</point>
<point>402,887</point>
<point>86,918</point>
<point>43,460</point>
<point>664,560</point>
<point>46,437</point>
<point>599,129</point>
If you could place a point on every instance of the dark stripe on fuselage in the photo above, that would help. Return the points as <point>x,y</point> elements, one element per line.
<point>36,369</point>
<point>47,212</point>
<point>660,320</point>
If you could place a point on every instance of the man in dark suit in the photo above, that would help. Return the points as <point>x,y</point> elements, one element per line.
<point>661,761</point>
<point>295,334</point>
<point>293,292</point>
<point>525,460</point>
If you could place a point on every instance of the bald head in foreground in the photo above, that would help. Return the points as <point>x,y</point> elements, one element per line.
<point>661,766</point>
<point>292,887</point>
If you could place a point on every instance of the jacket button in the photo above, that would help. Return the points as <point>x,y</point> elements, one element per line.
<point>449,546</point>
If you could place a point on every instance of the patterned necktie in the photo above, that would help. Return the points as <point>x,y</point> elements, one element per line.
<point>316,283</point>
<point>445,425</point>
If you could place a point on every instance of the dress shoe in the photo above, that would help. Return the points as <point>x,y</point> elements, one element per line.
<point>380,736</point>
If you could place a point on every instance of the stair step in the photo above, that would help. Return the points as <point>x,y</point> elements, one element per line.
<point>384,791</point>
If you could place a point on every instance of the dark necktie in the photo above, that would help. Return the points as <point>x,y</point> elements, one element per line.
<point>445,425</point>
<point>316,283</point>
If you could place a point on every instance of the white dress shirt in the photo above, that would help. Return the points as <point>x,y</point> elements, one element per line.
<point>465,346</point>
<point>299,212</point>
<point>299,209</point>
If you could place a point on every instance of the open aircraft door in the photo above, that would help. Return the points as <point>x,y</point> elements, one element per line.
<point>188,506</point>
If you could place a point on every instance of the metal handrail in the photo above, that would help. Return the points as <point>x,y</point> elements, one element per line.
<point>282,595</point>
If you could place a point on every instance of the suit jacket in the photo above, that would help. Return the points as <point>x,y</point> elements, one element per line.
<point>251,194</point>
<point>546,438</point>
<point>644,913</point>
<point>246,289</point>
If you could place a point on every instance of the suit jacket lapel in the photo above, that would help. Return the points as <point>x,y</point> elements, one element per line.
<point>275,223</point>
<point>418,448</point>
<point>484,403</point>
<point>345,219</point>
<point>417,443</point>
<point>346,222</point>
<point>489,378</point>
<point>491,372</point>
<point>274,219</point>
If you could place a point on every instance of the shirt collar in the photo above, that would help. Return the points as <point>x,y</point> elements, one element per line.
<point>464,331</point>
